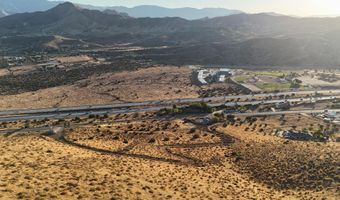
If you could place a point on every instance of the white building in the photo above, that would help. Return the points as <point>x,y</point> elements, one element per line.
<point>217,74</point>
<point>222,78</point>
<point>202,76</point>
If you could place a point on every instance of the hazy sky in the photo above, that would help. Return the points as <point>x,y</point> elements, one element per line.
<point>290,7</point>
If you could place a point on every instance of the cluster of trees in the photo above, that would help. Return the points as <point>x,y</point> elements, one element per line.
<point>3,63</point>
<point>295,84</point>
<point>192,108</point>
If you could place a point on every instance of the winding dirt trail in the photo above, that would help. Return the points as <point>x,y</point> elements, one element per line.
<point>225,140</point>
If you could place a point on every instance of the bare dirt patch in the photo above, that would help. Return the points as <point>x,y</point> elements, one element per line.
<point>130,86</point>
<point>73,59</point>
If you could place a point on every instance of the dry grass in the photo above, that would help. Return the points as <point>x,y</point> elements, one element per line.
<point>131,86</point>
<point>282,164</point>
<point>265,126</point>
<point>32,167</point>
<point>17,70</point>
<point>154,159</point>
<point>4,72</point>
<point>74,59</point>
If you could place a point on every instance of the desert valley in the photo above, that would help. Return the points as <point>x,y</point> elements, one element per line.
<point>102,104</point>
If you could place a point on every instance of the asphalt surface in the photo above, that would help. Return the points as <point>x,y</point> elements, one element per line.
<point>74,114</point>
<point>149,106</point>
<point>160,103</point>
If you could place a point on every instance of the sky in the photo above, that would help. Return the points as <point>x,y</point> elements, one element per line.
<point>288,7</point>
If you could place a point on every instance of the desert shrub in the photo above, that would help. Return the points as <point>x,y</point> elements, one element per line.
<point>195,136</point>
<point>192,130</point>
<point>152,140</point>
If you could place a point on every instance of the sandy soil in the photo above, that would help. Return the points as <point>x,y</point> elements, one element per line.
<point>131,86</point>
<point>39,167</point>
<point>73,59</point>
<point>266,125</point>
<point>307,80</point>
<point>303,167</point>
<point>184,161</point>
<point>286,164</point>
<point>4,72</point>
<point>17,70</point>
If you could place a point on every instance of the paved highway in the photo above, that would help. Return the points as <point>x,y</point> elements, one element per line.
<point>80,114</point>
<point>161,103</point>
<point>72,114</point>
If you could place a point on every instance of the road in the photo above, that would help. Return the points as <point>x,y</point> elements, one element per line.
<point>73,114</point>
<point>140,110</point>
<point>80,114</point>
<point>149,106</point>
<point>161,103</point>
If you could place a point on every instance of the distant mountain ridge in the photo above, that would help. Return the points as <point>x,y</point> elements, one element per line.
<point>186,13</point>
<point>23,6</point>
<point>260,39</point>
<point>70,19</point>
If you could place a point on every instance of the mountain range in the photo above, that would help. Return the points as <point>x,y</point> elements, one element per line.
<point>23,6</point>
<point>260,39</point>
<point>71,20</point>
<point>186,13</point>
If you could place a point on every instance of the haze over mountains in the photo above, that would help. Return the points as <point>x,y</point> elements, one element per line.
<point>245,39</point>
<point>186,13</point>
<point>22,6</point>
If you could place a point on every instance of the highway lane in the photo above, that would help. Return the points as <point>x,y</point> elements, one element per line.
<point>160,102</point>
<point>79,113</point>
<point>151,109</point>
